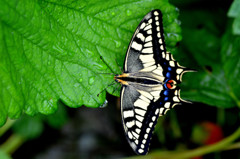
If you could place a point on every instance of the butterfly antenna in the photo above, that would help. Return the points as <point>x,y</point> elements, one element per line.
<point>115,89</point>
<point>108,73</point>
<point>113,82</point>
<point>118,65</point>
<point>106,64</point>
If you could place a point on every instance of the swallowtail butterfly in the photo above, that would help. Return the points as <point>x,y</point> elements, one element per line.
<point>149,82</point>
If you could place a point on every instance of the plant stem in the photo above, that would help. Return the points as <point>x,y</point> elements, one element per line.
<point>211,148</point>
<point>235,98</point>
<point>12,143</point>
<point>233,146</point>
<point>6,126</point>
<point>193,153</point>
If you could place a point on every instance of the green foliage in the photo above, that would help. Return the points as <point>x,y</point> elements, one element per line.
<point>32,127</point>
<point>214,56</point>
<point>50,50</point>
<point>234,12</point>
<point>28,127</point>
<point>60,115</point>
<point>231,65</point>
<point>3,155</point>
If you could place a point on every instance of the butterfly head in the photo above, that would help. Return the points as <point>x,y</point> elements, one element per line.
<point>120,78</point>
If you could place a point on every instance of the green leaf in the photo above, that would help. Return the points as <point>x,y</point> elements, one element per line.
<point>213,83</point>
<point>60,115</point>
<point>236,26</point>
<point>231,64</point>
<point>234,12</point>
<point>32,127</point>
<point>3,155</point>
<point>51,50</point>
<point>28,127</point>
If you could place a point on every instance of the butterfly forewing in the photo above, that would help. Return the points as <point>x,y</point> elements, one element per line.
<point>147,50</point>
<point>148,83</point>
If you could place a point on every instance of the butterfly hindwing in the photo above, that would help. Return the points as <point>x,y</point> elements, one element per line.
<point>141,106</point>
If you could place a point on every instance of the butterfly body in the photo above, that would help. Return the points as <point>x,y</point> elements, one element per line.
<point>149,82</point>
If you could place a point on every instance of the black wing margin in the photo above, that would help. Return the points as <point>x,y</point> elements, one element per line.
<point>171,68</point>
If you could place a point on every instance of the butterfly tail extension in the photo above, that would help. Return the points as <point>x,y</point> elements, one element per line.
<point>189,70</point>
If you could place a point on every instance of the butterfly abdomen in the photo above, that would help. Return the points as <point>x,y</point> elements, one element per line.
<point>145,81</point>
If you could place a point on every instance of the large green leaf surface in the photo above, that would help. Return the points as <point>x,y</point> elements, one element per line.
<point>234,12</point>
<point>57,50</point>
<point>231,64</point>
<point>215,55</point>
<point>4,155</point>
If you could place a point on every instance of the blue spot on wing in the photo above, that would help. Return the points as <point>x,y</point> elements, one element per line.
<point>168,75</point>
<point>165,92</point>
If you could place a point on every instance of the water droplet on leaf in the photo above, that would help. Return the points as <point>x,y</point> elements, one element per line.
<point>104,104</point>
<point>118,44</point>
<point>76,85</point>
<point>129,13</point>
<point>91,80</point>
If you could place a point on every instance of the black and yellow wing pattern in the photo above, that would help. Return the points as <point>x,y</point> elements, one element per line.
<point>148,82</point>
